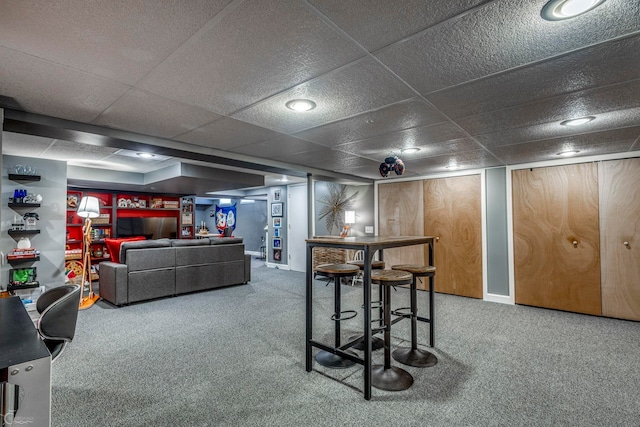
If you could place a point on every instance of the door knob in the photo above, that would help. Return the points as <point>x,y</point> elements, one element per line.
<point>626,244</point>
<point>575,243</point>
<point>437,239</point>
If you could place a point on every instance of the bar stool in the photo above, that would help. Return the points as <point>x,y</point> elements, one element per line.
<point>387,377</point>
<point>336,272</point>
<point>358,259</point>
<point>413,356</point>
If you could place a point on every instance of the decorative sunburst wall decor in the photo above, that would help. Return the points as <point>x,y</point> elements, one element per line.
<point>336,202</point>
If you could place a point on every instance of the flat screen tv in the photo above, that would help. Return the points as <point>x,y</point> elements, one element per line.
<point>151,227</point>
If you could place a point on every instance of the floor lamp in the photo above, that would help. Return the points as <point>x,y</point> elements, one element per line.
<point>89,208</point>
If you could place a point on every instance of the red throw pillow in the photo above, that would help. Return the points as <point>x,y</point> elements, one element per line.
<point>113,245</point>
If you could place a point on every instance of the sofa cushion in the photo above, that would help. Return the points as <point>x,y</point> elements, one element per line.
<point>142,244</point>
<point>197,255</point>
<point>189,242</point>
<point>113,245</point>
<point>224,240</point>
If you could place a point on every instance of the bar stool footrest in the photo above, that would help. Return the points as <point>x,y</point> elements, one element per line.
<point>402,312</point>
<point>349,313</point>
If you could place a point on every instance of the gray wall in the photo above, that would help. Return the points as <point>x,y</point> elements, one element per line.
<point>52,212</point>
<point>363,205</point>
<point>283,227</point>
<point>250,220</point>
<point>497,242</point>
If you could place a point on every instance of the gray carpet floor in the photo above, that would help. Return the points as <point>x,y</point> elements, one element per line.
<point>235,357</point>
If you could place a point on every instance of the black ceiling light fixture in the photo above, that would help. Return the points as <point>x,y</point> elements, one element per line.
<point>557,10</point>
<point>391,163</point>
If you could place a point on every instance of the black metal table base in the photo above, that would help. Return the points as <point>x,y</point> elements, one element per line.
<point>334,361</point>
<point>414,357</point>
<point>390,379</point>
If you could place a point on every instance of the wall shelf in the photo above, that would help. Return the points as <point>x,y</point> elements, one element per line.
<point>23,260</point>
<point>24,205</point>
<point>22,232</point>
<point>11,288</point>
<point>17,177</point>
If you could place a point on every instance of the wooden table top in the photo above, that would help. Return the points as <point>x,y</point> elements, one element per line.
<point>374,242</point>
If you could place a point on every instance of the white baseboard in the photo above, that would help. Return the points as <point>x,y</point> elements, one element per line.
<point>278,266</point>
<point>502,299</point>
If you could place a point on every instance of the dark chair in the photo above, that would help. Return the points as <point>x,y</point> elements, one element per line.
<point>58,308</point>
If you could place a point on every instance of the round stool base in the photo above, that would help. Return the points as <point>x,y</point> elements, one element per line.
<point>376,343</point>
<point>414,357</point>
<point>390,379</point>
<point>334,361</point>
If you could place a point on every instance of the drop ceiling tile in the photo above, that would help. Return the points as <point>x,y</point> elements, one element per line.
<point>577,71</point>
<point>597,143</point>
<point>69,150</point>
<point>424,137</point>
<point>323,158</point>
<point>364,20</point>
<point>42,87</point>
<point>139,164</point>
<point>149,114</point>
<point>226,133</point>
<point>275,148</point>
<point>358,87</point>
<point>17,144</point>
<point>610,120</point>
<point>115,40</point>
<point>473,159</point>
<point>260,48</point>
<point>596,101</point>
<point>402,115</point>
<point>503,35</point>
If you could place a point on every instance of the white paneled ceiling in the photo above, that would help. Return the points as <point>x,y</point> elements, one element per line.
<point>478,83</point>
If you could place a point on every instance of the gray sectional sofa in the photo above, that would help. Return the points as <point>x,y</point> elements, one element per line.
<point>151,269</point>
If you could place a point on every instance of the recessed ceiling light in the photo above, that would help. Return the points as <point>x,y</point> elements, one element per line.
<point>146,155</point>
<point>410,150</point>
<point>557,10</point>
<point>578,121</point>
<point>301,105</point>
<point>568,153</point>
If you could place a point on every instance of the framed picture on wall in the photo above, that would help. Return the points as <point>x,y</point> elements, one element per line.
<point>277,222</point>
<point>276,195</point>
<point>276,209</point>
<point>277,243</point>
<point>276,232</point>
<point>277,254</point>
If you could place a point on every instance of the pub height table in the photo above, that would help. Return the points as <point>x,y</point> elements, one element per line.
<point>369,245</point>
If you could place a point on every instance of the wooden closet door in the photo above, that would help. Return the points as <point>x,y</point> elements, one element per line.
<point>452,213</point>
<point>400,213</point>
<point>553,208</point>
<point>620,223</point>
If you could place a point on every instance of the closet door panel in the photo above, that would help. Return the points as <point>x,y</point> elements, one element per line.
<point>452,213</point>
<point>556,238</point>
<point>400,213</point>
<point>620,238</point>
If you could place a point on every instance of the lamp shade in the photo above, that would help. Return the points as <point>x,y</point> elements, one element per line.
<point>349,217</point>
<point>89,207</point>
